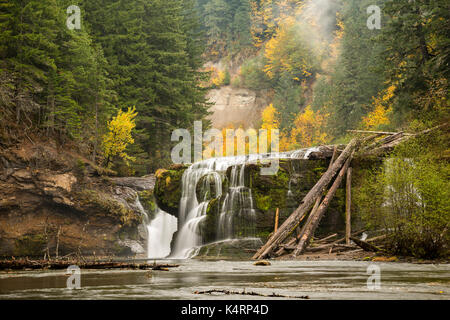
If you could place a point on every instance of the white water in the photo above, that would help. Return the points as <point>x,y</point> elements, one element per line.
<point>192,212</point>
<point>237,207</point>
<point>160,232</point>
<point>238,203</point>
<point>303,153</point>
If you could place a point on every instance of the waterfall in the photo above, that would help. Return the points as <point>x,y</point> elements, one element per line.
<point>160,232</point>
<point>191,212</point>
<point>237,207</point>
<point>238,204</point>
<point>303,153</point>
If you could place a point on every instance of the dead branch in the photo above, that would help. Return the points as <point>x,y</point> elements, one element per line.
<point>365,245</point>
<point>249,293</point>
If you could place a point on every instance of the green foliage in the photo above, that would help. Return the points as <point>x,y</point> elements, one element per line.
<point>65,82</point>
<point>346,89</point>
<point>409,198</point>
<point>29,245</point>
<point>252,74</point>
<point>226,25</point>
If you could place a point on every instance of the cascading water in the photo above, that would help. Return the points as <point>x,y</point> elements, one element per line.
<point>237,206</point>
<point>238,203</point>
<point>160,232</point>
<point>191,212</point>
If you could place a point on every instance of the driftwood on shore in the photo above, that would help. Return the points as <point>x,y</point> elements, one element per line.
<point>365,245</point>
<point>249,293</point>
<point>24,264</point>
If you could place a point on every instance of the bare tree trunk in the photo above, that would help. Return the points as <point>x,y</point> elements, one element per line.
<point>94,153</point>
<point>315,219</point>
<point>57,243</point>
<point>348,204</point>
<point>276,220</point>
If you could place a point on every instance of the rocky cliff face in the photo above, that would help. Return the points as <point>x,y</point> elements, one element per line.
<point>236,106</point>
<point>53,202</point>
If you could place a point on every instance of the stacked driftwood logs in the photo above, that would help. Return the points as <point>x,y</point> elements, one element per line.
<point>312,208</point>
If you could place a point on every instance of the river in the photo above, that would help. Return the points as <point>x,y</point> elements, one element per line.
<point>317,279</point>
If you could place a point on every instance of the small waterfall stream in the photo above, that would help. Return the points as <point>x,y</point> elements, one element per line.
<point>160,232</point>
<point>238,203</point>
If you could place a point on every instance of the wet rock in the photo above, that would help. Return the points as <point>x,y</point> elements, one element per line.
<point>134,246</point>
<point>284,190</point>
<point>206,187</point>
<point>168,189</point>
<point>136,183</point>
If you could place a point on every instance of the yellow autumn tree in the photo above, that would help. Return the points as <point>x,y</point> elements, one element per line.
<point>119,136</point>
<point>233,144</point>
<point>288,52</point>
<point>270,121</point>
<point>380,109</point>
<point>269,118</point>
<point>309,129</point>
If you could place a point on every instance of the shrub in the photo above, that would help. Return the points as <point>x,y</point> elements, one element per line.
<point>409,198</point>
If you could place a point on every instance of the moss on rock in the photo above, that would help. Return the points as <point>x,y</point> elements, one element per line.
<point>147,200</point>
<point>30,245</point>
<point>283,190</point>
<point>104,204</point>
<point>168,188</point>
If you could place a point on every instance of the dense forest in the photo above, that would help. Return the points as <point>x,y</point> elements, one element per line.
<point>68,83</point>
<point>326,71</point>
<point>113,78</point>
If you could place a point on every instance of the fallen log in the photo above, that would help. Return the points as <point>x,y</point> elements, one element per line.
<point>291,223</point>
<point>315,219</point>
<point>382,237</point>
<point>374,132</point>
<point>326,238</point>
<point>388,143</point>
<point>365,245</point>
<point>21,264</point>
<point>249,293</point>
<point>327,245</point>
<point>384,140</point>
<point>281,251</point>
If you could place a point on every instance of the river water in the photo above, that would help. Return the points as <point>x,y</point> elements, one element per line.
<point>317,279</point>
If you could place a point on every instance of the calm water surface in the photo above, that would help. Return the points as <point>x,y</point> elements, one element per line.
<point>319,280</point>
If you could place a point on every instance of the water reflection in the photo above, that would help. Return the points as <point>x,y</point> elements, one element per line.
<point>319,280</point>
